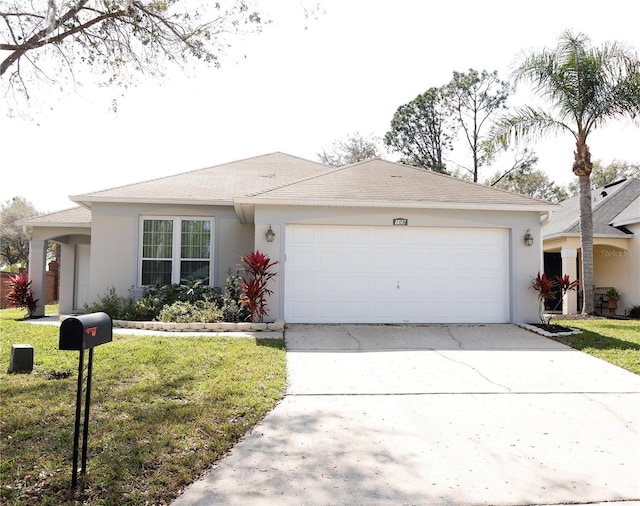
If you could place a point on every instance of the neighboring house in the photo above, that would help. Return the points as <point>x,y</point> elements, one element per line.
<point>372,242</point>
<point>616,244</point>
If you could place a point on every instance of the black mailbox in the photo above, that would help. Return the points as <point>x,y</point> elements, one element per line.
<point>85,331</point>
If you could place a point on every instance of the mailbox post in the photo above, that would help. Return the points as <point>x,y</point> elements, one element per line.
<point>81,333</point>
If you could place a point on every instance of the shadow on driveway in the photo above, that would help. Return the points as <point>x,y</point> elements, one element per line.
<point>436,415</point>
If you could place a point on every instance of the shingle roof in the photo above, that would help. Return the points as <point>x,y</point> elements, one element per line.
<point>384,183</point>
<point>218,184</point>
<point>278,178</point>
<point>74,217</point>
<point>612,204</point>
<point>631,214</point>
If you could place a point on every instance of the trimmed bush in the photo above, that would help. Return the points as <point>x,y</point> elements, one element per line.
<point>191,312</point>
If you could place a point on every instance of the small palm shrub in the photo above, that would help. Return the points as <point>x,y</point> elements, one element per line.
<point>257,267</point>
<point>19,294</point>
<point>547,288</point>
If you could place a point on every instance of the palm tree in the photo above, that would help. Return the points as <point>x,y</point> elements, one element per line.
<point>584,87</point>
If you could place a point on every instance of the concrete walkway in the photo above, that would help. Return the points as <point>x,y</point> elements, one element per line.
<point>463,414</point>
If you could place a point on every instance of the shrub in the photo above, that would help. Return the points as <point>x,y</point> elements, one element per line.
<point>116,306</point>
<point>198,303</point>
<point>634,311</point>
<point>232,310</point>
<point>20,294</point>
<point>191,312</point>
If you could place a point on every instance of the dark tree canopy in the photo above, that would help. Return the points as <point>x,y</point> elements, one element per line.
<point>355,148</point>
<point>112,38</point>
<point>532,182</point>
<point>14,243</point>
<point>422,131</point>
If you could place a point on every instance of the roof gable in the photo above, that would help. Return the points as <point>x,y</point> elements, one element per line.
<point>212,185</point>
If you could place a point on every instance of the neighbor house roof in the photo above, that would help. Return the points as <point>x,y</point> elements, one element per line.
<point>381,183</point>
<point>613,206</point>
<point>216,185</point>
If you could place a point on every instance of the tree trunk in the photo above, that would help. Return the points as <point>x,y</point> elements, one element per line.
<point>582,167</point>
<point>586,244</point>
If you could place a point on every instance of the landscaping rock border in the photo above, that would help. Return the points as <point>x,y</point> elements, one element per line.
<point>278,325</point>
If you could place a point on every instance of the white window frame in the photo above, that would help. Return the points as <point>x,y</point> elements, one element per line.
<point>176,244</point>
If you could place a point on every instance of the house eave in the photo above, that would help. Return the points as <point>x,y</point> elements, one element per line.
<point>473,206</point>
<point>563,235</point>
<point>624,223</point>
<point>86,201</point>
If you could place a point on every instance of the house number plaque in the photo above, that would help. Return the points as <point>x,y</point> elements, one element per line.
<point>400,221</point>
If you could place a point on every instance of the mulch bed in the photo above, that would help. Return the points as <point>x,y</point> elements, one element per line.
<point>552,328</point>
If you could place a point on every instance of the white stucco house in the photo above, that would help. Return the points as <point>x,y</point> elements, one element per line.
<point>372,242</point>
<point>616,245</point>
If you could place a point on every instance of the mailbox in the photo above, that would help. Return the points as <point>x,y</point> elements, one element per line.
<point>85,331</point>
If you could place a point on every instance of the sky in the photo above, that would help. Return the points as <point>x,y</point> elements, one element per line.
<point>297,87</point>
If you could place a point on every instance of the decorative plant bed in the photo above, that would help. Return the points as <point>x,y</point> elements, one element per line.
<point>549,330</point>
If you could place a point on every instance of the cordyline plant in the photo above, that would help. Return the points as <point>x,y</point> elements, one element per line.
<point>20,294</point>
<point>548,288</point>
<point>257,267</point>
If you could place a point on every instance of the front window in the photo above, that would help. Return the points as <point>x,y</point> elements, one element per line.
<point>175,249</point>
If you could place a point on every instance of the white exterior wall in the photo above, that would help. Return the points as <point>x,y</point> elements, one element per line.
<point>526,262</point>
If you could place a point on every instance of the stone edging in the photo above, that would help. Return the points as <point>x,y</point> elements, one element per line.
<point>278,325</point>
<point>544,333</point>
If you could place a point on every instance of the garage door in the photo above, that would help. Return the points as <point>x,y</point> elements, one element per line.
<point>396,275</point>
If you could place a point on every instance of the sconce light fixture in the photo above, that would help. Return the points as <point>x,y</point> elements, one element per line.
<point>270,234</point>
<point>528,238</point>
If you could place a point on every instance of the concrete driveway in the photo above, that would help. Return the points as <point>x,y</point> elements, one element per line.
<point>436,414</point>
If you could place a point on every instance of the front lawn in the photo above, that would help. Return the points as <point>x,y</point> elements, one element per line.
<point>163,410</point>
<point>616,341</point>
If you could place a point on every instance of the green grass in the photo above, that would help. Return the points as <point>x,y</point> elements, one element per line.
<point>163,410</point>
<point>616,341</point>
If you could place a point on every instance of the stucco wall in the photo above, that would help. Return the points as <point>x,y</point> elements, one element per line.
<point>620,268</point>
<point>525,261</point>
<point>115,242</point>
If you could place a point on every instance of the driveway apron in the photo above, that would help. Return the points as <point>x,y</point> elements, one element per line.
<point>436,414</point>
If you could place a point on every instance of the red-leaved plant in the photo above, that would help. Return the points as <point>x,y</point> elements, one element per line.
<point>20,294</point>
<point>257,267</point>
<point>548,288</point>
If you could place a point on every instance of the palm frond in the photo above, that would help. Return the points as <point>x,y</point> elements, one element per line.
<point>524,124</point>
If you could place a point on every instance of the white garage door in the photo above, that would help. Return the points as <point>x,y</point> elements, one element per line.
<point>396,275</point>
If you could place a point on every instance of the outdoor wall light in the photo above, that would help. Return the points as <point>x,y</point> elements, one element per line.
<point>528,238</point>
<point>270,234</point>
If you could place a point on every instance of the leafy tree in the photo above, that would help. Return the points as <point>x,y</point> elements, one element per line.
<point>14,243</point>
<point>585,86</point>
<point>114,38</point>
<point>604,175</point>
<point>532,182</point>
<point>355,148</point>
<point>422,131</point>
<point>474,99</point>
